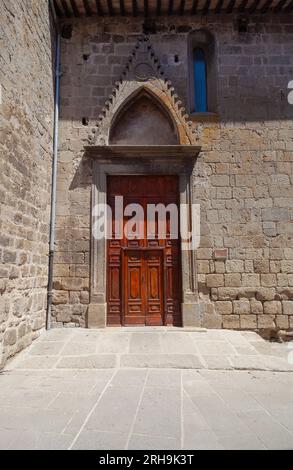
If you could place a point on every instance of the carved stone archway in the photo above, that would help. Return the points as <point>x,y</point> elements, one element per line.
<point>142,77</point>
<point>143,120</point>
<point>143,72</point>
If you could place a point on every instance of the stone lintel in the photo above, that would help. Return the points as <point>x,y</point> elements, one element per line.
<point>165,152</point>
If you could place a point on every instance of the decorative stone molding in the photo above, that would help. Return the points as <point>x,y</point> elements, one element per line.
<point>143,73</point>
<point>135,160</point>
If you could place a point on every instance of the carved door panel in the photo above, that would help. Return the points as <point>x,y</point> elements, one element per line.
<point>143,287</point>
<point>144,274</point>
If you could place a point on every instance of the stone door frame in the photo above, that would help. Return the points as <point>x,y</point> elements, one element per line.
<point>140,160</point>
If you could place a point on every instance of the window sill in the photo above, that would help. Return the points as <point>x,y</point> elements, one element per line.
<point>204,117</point>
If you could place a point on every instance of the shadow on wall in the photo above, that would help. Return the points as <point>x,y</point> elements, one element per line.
<point>249,71</point>
<point>142,121</point>
<point>251,84</point>
<point>82,176</point>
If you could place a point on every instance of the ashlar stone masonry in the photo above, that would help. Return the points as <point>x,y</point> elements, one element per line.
<point>242,178</point>
<point>26,118</point>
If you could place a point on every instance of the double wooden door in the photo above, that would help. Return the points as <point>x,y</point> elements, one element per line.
<point>143,281</point>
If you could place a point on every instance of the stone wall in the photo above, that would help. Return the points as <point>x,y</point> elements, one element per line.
<point>25,174</point>
<point>242,179</point>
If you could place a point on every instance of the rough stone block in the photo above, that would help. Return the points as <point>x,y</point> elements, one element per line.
<point>248,321</point>
<point>215,280</point>
<point>220,180</point>
<point>10,337</point>
<point>251,280</point>
<point>263,294</point>
<point>241,307</point>
<point>268,280</point>
<point>231,321</point>
<point>84,297</point>
<point>273,307</point>
<point>204,253</point>
<point>60,297</point>
<point>72,283</point>
<point>234,266</point>
<point>233,280</point>
<point>287,307</point>
<point>219,267</point>
<point>261,266</point>
<point>256,306</point>
<point>224,307</point>
<point>282,280</point>
<point>266,321</point>
<point>227,293</point>
<point>203,267</point>
<point>282,321</point>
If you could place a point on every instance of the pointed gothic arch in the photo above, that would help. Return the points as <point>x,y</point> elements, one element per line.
<point>142,79</point>
<point>143,72</point>
<point>143,119</point>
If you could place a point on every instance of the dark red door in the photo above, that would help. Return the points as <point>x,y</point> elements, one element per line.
<point>144,282</point>
<point>143,287</point>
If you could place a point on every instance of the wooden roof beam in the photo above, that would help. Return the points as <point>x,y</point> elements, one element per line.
<point>194,7</point>
<point>219,6</point>
<point>99,8</point>
<point>110,8</point>
<point>266,6</point>
<point>66,10</point>
<point>159,6</point>
<point>87,8</point>
<point>254,6</point>
<point>181,7</point>
<point>242,6</point>
<point>279,6</point>
<point>206,7</point>
<point>134,8</point>
<point>122,7</point>
<point>230,6</point>
<point>57,9</point>
<point>289,7</point>
<point>74,8</point>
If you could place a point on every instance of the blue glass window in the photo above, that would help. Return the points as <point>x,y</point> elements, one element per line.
<point>200,81</point>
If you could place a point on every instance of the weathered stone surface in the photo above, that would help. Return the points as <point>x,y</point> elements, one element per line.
<point>233,280</point>
<point>60,297</point>
<point>287,307</point>
<point>26,81</point>
<point>248,322</point>
<point>242,178</point>
<point>224,307</point>
<point>215,280</point>
<point>256,306</point>
<point>10,337</point>
<point>273,307</point>
<point>231,321</point>
<point>241,307</point>
<point>264,294</point>
<point>282,321</point>
<point>266,321</point>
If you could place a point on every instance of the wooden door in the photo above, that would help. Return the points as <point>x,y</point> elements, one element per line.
<point>143,287</point>
<point>144,281</point>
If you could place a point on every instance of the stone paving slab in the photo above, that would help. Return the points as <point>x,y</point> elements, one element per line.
<point>148,409</point>
<point>153,347</point>
<point>192,398</point>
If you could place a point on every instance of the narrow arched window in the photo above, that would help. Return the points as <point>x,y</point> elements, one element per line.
<point>200,80</point>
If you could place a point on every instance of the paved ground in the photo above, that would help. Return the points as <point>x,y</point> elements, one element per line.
<point>148,389</point>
